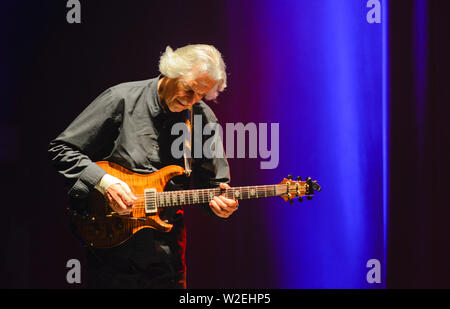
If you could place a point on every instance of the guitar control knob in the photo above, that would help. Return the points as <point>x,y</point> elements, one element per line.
<point>289,177</point>
<point>119,225</point>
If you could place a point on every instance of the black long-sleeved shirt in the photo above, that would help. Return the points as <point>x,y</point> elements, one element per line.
<point>127,124</point>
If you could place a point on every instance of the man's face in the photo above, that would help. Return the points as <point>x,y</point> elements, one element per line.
<point>180,95</point>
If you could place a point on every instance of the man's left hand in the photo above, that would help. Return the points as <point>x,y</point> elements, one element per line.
<point>223,207</point>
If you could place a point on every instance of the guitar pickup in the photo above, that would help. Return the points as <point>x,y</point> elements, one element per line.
<point>150,201</point>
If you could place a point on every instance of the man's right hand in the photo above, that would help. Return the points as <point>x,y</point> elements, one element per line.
<point>120,199</point>
<point>119,194</point>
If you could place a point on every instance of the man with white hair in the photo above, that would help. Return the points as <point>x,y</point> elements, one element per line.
<point>130,124</point>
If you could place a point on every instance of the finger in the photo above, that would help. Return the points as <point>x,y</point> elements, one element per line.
<point>231,207</point>
<point>224,185</point>
<point>128,190</point>
<point>126,198</point>
<point>119,195</point>
<point>117,203</point>
<point>116,207</point>
<point>219,211</point>
<point>228,202</point>
<point>120,191</point>
<point>225,210</point>
<point>113,204</point>
<point>221,203</point>
<point>214,206</point>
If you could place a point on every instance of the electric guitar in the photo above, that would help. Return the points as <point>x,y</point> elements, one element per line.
<point>99,226</point>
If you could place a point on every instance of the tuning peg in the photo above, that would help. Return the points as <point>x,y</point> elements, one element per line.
<point>299,178</point>
<point>309,197</point>
<point>289,177</point>
<point>300,199</point>
<point>308,179</point>
<point>316,187</point>
<point>291,201</point>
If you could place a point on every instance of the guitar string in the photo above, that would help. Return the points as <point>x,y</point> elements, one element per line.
<point>200,193</point>
<point>174,200</point>
<point>244,189</point>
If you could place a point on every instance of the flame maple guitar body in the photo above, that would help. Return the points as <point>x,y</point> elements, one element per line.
<point>100,227</point>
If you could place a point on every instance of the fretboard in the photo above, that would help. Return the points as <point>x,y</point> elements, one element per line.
<point>201,196</point>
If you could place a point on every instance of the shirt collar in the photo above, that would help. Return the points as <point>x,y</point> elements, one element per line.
<point>154,103</point>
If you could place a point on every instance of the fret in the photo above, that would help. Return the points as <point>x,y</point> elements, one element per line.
<point>173,195</point>
<point>188,197</point>
<point>211,194</point>
<point>204,196</point>
<point>243,193</point>
<point>195,197</point>
<point>252,192</point>
<point>237,194</point>
<point>167,197</point>
<point>201,196</point>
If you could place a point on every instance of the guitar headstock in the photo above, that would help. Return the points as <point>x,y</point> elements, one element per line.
<point>298,188</point>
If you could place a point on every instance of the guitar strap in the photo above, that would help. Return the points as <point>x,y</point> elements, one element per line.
<point>187,149</point>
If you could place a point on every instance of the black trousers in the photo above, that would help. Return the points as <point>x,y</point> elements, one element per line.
<point>149,260</point>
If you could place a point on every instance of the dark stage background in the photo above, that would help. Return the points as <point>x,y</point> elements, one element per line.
<point>315,67</point>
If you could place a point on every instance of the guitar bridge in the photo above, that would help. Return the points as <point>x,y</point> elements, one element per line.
<point>150,201</point>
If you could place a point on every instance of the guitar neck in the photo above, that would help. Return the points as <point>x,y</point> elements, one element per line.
<point>201,196</point>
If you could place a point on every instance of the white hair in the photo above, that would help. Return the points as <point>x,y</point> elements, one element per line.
<point>191,60</point>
